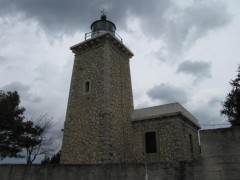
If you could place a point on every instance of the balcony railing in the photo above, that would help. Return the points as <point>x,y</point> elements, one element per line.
<point>99,32</point>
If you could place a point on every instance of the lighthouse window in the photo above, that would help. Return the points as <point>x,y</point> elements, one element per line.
<point>87,87</point>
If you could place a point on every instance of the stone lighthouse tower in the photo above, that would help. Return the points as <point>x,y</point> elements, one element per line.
<point>98,126</point>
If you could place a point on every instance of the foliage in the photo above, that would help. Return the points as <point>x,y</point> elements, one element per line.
<point>36,139</point>
<point>19,135</point>
<point>231,105</point>
<point>11,121</point>
<point>55,159</point>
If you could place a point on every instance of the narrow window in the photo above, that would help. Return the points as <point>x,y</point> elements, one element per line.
<point>87,87</point>
<point>150,142</point>
<point>191,143</point>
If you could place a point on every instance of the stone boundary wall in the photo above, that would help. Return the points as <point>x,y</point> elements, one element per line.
<point>220,142</point>
<point>220,161</point>
<point>220,155</point>
<point>170,171</point>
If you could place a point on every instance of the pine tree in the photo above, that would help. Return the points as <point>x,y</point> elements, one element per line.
<point>231,105</point>
<point>11,119</point>
<point>20,137</point>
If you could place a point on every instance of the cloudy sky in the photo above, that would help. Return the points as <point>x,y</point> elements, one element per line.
<point>185,51</point>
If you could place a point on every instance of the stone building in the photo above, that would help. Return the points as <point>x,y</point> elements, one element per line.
<point>101,124</point>
<point>166,133</point>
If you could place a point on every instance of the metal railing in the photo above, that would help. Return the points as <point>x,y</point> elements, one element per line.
<point>99,32</point>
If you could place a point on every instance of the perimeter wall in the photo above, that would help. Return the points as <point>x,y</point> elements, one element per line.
<point>220,155</point>
<point>220,159</point>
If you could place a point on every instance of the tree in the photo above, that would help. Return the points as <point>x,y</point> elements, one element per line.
<point>19,135</point>
<point>36,139</point>
<point>11,118</point>
<point>231,105</point>
<point>55,159</point>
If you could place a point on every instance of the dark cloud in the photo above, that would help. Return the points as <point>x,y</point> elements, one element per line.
<point>167,94</point>
<point>192,22</point>
<point>178,26</point>
<point>54,15</point>
<point>74,15</point>
<point>23,91</point>
<point>198,69</point>
<point>60,16</point>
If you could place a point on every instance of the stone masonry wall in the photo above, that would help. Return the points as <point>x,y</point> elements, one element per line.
<point>172,135</point>
<point>188,129</point>
<point>80,143</point>
<point>122,105</point>
<point>98,125</point>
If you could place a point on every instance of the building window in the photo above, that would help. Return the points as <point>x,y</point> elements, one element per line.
<point>191,143</point>
<point>150,142</point>
<point>87,87</point>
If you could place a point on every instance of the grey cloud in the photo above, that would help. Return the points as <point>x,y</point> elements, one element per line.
<point>36,99</point>
<point>60,16</point>
<point>178,26</point>
<point>23,91</point>
<point>16,86</point>
<point>11,68</point>
<point>2,59</point>
<point>70,16</point>
<point>209,118</point>
<point>142,105</point>
<point>167,94</point>
<point>192,22</point>
<point>208,114</point>
<point>214,101</point>
<point>56,15</point>
<point>198,69</point>
<point>56,133</point>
